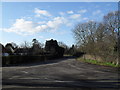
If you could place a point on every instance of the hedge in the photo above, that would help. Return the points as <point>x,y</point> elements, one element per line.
<point>12,60</point>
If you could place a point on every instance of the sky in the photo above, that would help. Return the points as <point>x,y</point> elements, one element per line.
<point>24,21</point>
<point>60,0</point>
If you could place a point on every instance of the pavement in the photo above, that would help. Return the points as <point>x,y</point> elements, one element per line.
<point>60,74</point>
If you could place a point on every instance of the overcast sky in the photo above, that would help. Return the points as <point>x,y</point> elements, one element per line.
<point>23,21</point>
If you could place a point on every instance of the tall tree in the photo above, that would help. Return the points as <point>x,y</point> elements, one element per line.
<point>100,38</point>
<point>111,22</point>
<point>84,34</point>
<point>36,42</point>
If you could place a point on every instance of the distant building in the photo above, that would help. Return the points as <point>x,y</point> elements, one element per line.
<point>3,51</point>
<point>9,48</point>
<point>5,54</point>
<point>22,51</point>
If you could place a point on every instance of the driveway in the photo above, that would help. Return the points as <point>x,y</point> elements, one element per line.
<point>65,72</point>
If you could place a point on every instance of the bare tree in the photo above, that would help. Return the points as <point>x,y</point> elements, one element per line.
<point>111,22</point>
<point>85,31</point>
<point>99,38</point>
<point>61,44</point>
<point>37,47</point>
<point>26,44</point>
<point>84,35</point>
<point>36,42</point>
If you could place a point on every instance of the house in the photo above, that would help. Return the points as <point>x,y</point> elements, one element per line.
<point>9,49</point>
<point>21,51</point>
<point>3,51</point>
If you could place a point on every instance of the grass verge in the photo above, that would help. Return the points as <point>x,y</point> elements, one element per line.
<point>97,62</point>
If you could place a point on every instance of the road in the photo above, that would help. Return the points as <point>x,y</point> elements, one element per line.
<point>65,72</point>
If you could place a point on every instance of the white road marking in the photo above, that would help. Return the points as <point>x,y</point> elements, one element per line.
<point>13,77</point>
<point>24,71</point>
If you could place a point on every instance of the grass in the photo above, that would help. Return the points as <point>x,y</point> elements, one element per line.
<point>67,55</point>
<point>97,62</point>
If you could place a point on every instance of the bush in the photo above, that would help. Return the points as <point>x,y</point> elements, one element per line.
<point>13,60</point>
<point>9,60</point>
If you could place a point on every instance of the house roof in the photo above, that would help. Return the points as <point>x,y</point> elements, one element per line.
<point>21,50</point>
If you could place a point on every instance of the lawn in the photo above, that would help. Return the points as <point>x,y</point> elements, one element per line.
<point>97,62</point>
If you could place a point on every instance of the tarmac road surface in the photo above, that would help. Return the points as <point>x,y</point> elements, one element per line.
<point>61,73</point>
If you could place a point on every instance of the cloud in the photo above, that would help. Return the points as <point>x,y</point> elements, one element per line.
<point>97,12</point>
<point>82,11</point>
<point>40,12</point>
<point>75,16</point>
<point>41,27</point>
<point>62,13</point>
<point>41,37</point>
<point>24,27</point>
<point>85,18</point>
<point>56,22</point>
<point>42,22</point>
<point>70,12</point>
